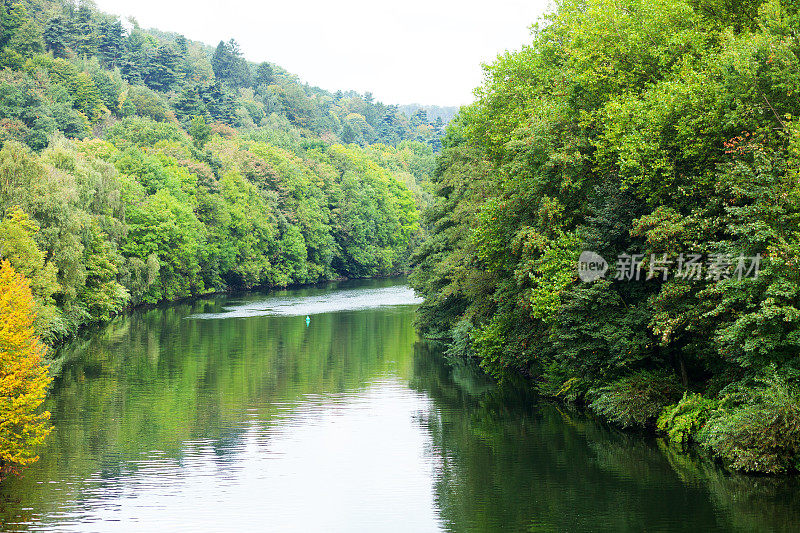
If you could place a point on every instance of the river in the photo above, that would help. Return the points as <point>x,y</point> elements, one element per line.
<point>234,413</point>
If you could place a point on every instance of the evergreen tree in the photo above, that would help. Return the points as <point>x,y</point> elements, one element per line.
<point>56,36</point>
<point>85,39</point>
<point>12,17</point>
<point>229,65</point>
<point>162,68</point>
<point>264,74</point>
<point>111,42</point>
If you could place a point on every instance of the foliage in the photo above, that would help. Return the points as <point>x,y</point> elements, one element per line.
<point>682,421</point>
<point>23,378</point>
<point>757,428</point>
<point>625,128</point>
<point>149,215</point>
<point>86,61</point>
<point>199,131</point>
<point>138,167</point>
<point>637,400</point>
<point>17,245</point>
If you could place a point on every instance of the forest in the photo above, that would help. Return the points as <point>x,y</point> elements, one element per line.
<point>648,130</point>
<point>139,167</point>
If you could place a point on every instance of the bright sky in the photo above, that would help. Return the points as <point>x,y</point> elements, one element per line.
<point>411,51</point>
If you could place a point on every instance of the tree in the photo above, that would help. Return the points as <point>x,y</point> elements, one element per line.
<point>229,65</point>
<point>23,378</point>
<point>264,74</point>
<point>166,227</point>
<point>111,42</point>
<point>189,103</point>
<point>12,17</point>
<point>162,68</point>
<point>584,140</point>
<point>18,247</point>
<point>219,102</point>
<point>102,296</point>
<point>109,88</point>
<point>85,39</point>
<point>27,41</point>
<point>200,131</point>
<point>55,37</point>
<point>420,117</point>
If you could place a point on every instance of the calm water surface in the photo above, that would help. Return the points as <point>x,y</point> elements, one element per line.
<point>231,414</point>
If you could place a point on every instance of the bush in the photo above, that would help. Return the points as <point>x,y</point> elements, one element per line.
<point>637,400</point>
<point>682,421</point>
<point>760,431</point>
<point>461,347</point>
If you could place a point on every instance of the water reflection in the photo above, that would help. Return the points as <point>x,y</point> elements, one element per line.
<point>328,462</point>
<point>349,424</point>
<point>513,462</point>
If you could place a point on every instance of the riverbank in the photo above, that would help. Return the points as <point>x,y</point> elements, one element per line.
<point>620,222</point>
<point>753,428</point>
<point>55,362</point>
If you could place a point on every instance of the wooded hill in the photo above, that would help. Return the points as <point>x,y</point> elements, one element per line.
<point>137,167</point>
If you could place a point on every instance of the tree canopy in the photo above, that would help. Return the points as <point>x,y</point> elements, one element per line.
<point>649,130</point>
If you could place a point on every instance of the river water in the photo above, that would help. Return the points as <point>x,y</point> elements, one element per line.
<point>235,414</point>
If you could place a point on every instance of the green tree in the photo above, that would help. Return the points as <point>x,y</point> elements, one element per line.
<point>229,65</point>
<point>111,42</point>
<point>18,247</point>
<point>55,37</point>
<point>199,131</point>
<point>264,74</point>
<point>27,40</point>
<point>167,229</point>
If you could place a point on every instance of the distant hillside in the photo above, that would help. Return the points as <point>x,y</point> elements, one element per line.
<point>195,79</point>
<point>434,112</point>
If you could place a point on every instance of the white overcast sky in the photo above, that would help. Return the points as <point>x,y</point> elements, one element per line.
<point>412,51</point>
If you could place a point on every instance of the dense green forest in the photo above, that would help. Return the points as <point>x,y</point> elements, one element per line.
<point>643,130</point>
<point>137,167</point>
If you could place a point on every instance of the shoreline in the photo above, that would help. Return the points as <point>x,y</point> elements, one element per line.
<point>92,327</point>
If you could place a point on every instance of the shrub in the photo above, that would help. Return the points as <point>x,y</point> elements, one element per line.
<point>637,400</point>
<point>461,347</point>
<point>760,431</point>
<point>682,421</point>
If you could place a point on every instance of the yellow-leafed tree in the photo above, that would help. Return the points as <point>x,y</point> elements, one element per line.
<point>23,377</point>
